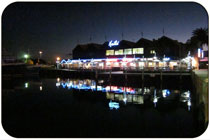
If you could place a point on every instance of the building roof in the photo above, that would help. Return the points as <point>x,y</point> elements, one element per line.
<point>144,43</point>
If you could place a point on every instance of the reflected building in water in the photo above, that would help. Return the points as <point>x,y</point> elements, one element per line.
<point>127,95</point>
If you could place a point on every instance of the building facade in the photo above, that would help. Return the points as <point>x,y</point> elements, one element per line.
<point>161,47</point>
<point>163,53</point>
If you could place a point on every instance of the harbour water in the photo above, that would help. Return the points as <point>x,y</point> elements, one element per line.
<point>66,107</point>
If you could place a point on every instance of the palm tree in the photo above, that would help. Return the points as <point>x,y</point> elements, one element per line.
<point>200,35</point>
<point>199,38</point>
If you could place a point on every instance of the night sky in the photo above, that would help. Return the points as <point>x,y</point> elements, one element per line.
<point>56,28</point>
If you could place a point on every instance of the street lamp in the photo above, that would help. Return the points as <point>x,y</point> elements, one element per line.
<point>26,56</point>
<point>58,58</point>
<point>58,61</point>
<point>40,54</point>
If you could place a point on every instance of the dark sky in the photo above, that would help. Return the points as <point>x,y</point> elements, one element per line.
<point>56,28</point>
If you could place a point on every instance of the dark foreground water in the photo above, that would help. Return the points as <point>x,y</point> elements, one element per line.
<point>81,108</point>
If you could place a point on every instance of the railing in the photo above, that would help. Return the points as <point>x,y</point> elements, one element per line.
<point>178,69</point>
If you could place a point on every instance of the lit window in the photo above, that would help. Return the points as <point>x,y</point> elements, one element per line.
<point>152,51</point>
<point>150,64</point>
<point>128,51</point>
<point>109,52</point>
<point>141,64</point>
<point>138,50</point>
<point>119,52</point>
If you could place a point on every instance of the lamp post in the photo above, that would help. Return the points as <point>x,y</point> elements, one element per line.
<point>58,61</point>
<point>40,54</point>
<point>26,57</point>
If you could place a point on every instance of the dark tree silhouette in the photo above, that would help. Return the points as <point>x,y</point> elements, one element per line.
<point>200,35</point>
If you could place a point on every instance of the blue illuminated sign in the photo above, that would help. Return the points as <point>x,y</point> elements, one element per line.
<point>113,43</point>
<point>166,59</point>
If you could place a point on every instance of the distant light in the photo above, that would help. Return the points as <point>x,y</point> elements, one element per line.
<point>199,52</point>
<point>26,55</point>
<point>40,52</point>
<point>40,88</point>
<point>113,43</point>
<point>58,79</point>
<point>58,58</point>
<point>26,85</point>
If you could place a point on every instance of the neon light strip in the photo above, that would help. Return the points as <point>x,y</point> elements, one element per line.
<point>199,52</point>
<point>202,54</point>
<point>114,89</point>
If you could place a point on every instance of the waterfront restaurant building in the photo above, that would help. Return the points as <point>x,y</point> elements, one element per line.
<point>161,53</point>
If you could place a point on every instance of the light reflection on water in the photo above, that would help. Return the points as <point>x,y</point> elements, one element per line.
<point>77,103</point>
<point>126,95</point>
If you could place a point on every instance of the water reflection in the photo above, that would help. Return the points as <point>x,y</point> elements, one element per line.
<point>166,93</point>
<point>185,97</point>
<point>127,95</point>
<point>88,84</point>
<point>113,105</point>
<point>91,104</point>
<point>26,85</point>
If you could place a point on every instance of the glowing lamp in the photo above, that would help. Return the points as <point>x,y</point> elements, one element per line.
<point>26,56</point>
<point>58,79</point>
<point>58,58</point>
<point>40,88</point>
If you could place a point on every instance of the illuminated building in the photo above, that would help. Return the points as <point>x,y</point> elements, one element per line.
<point>163,53</point>
<point>119,49</point>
